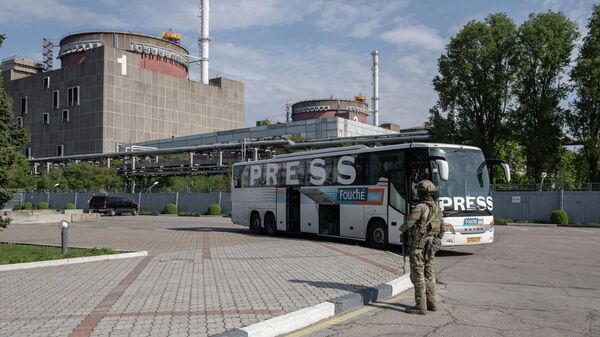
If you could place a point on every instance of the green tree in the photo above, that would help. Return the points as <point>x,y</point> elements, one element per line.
<point>545,42</point>
<point>50,179</point>
<point>12,139</point>
<point>567,174</point>
<point>584,118</point>
<point>474,84</point>
<point>19,176</point>
<point>83,176</point>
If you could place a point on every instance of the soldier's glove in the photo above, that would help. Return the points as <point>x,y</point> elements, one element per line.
<point>431,247</point>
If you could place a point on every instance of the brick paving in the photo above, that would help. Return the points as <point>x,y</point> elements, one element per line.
<point>202,276</point>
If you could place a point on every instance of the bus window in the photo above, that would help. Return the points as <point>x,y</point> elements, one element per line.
<point>398,190</point>
<point>329,168</point>
<point>301,172</point>
<point>237,176</point>
<point>417,174</point>
<point>245,178</point>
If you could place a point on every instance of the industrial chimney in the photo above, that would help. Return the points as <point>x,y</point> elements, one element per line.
<point>375,98</point>
<point>203,40</point>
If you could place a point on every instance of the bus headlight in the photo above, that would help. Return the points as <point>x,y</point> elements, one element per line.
<point>449,228</point>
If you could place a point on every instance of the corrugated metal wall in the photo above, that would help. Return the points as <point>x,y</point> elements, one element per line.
<point>581,206</point>
<point>187,202</point>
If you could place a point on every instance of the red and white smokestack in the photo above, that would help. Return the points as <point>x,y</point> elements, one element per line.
<point>203,40</point>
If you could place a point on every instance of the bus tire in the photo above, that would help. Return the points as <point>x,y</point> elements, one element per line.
<point>255,223</point>
<point>270,225</point>
<point>377,234</point>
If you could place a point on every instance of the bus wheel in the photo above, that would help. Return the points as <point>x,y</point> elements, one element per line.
<point>377,234</point>
<point>255,223</point>
<point>270,226</point>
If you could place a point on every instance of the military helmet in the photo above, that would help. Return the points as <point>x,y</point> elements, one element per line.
<point>425,187</point>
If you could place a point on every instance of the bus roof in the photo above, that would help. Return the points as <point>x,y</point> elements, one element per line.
<point>354,149</point>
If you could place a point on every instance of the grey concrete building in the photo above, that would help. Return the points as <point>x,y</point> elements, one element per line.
<point>114,88</point>
<point>310,129</point>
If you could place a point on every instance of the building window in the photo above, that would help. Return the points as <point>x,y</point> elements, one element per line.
<point>20,121</point>
<point>55,99</point>
<point>46,82</point>
<point>24,105</point>
<point>73,96</point>
<point>65,115</point>
<point>27,152</point>
<point>46,118</point>
<point>60,150</point>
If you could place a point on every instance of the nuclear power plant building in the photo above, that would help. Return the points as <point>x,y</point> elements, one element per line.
<point>115,88</point>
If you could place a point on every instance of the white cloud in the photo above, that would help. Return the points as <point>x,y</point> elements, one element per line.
<point>25,12</point>
<point>415,35</point>
<point>278,75</point>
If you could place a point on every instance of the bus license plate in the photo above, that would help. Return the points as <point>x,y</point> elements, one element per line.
<point>473,240</point>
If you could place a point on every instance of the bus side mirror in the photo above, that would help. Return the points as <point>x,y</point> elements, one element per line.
<point>506,170</point>
<point>443,168</point>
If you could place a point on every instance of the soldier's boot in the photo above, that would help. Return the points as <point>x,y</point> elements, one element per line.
<point>420,307</point>
<point>431,305</point>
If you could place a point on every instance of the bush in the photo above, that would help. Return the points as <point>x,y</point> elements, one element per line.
<point>4,222</point>
<point>559,217</point>
<point>27,206</point>
<point>214,209</point>
<point>170,209</point>
<point>41,205</point>
<point>502,221</point>
<point>149,212</point>
<point>70,205</point>
<point>188,214</point>
<point>17,208</point>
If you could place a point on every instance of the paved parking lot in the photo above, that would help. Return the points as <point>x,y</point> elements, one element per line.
<point>202,276</point>
<point>530,282</point>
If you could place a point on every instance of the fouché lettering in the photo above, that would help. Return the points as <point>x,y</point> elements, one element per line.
<point>352,194</point>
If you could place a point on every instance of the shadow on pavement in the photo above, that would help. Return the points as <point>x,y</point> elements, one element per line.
<point>452,253</point>
<point>369,294</point>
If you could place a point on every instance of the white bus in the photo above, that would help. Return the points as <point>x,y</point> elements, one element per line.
<point>365,192</point>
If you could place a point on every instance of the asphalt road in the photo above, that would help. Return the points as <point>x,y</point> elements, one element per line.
<point>530,282</point>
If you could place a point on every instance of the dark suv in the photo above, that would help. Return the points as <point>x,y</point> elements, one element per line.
<point>112,205</point>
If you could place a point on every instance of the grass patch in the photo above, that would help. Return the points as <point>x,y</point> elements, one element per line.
<point>19,253</point>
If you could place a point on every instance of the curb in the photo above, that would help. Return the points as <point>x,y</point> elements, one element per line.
<point>531,224</point>
<point>75,260</point>
<point>302,318</point>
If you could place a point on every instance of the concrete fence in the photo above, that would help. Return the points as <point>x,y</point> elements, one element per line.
<point>186,202</point>
<point>581,206</point>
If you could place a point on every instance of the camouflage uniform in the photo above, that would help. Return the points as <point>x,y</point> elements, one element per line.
<point>424,224</point>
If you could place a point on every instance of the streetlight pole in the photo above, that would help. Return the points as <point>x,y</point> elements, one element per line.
<point>48,194</point>
<point>140,194</point>
<point>542,182</point>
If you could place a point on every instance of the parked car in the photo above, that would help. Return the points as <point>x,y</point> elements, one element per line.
<point>112,205</point>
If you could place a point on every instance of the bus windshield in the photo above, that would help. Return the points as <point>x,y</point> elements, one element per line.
<point>468,186</point>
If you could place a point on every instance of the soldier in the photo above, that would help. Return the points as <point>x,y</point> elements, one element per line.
<point>424,231</point>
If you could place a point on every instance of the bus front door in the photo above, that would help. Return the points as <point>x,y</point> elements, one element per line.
<point>293,209</point>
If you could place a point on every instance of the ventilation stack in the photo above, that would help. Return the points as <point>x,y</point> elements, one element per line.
<point>375,98</point>
<point>203,40</point>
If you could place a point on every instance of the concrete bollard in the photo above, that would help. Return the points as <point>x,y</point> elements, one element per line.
<point>64,236</point>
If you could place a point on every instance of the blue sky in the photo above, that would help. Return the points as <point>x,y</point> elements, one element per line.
<point>290,50</point>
